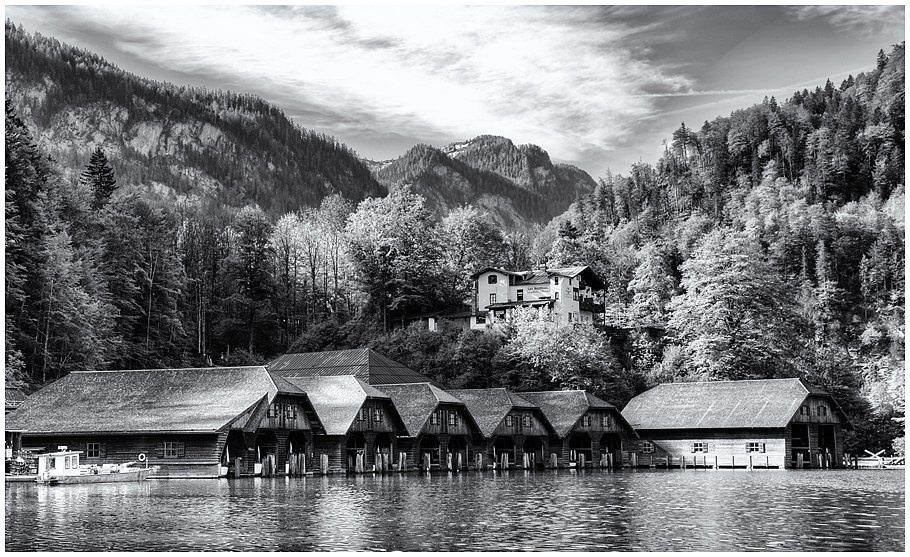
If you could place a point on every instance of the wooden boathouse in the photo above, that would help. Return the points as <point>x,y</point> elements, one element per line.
<point>360,423</point>
<point>363,363</point>
<point>588,431</point>
<point>440,430</point>
<point>514,431</point>
<point>773,423</point>
<point>201,422</point>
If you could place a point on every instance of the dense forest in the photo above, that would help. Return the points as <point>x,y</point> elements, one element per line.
<point>769,243</point>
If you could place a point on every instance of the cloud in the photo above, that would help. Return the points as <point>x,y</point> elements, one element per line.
<point>859,19</point>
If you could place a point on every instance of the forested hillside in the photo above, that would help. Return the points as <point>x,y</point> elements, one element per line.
<point>171,142</point>
<point>769,243</point>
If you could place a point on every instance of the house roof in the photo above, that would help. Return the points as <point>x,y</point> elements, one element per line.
<point>762,403</point>
<point>563,409</point>
<point>159,400</point>
<point>14,397</point>
<point>363,363</point>
<point>337,399</point>
<point>416,401</point>
<point>542,276</point>
<point>488,407</point>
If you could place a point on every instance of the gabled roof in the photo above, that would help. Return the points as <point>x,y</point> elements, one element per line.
<point>363,363</point>
<point>488,407</point>
<point>337,400</point>
<point>416,401</point>
<point>476,274</point>
<point>762,403</point>
<point>542,276</point>
<point>563,409</point>
<point>158,400</point>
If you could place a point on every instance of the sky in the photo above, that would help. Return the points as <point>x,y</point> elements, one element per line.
<point>598,86</point>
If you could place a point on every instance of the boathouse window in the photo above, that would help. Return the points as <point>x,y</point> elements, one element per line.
<point>453,419</point>
<point>647,447</point>
<point>364,414</point>
<point>755,447</point>
<point>605,421</point>
<point>822,411</point>
<point>434,418</point>
<point>526,420</point>
<point>804,410</point>
<point>171,449</point>
<point>586,421</point>
<point>377,415</point>
<point>290,411</point>
<point>491,279</point>
<point>509,422</point>
<point>93,450</point>
<point>700,447</point>
<point>66,463</point>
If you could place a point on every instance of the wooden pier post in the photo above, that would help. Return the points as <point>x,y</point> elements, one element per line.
<point>505,461</point>
<point>449,461</point>
<point>324,464</point>
<point>799,460</point>
<point>554,460</point>
<point>634,460</point>
<point>682,462</point>
<point>426,461</point>
<point>750,462</point>
<point>460,464</point>
<point>715,463</point>
<point>478,461</point>
<point>237,468</point>
<point>581,461</point>
<point>358,466</point>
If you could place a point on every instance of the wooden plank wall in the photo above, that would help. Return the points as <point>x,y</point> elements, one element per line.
<point>727,447</point>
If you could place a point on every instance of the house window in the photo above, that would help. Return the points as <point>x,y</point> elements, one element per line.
<point>556,295</point>
<point>700,447</point>
<point>520,295</point>
<point>66,463</point>
<point>822,411</point>
<point>93,450</point>
<point>555,281</point>
<point>171,449</point>
<point>434,418</point>
<point>804,410</point>
<point>491,279</point>
<point>575,294</point>
<point>453,419</point>
<point>493,298</point>
<point>755,447</point>
<point>570,317</point>
<point>647,447</point>
<point>509,421</point>
<point>586,421</point>
<point>605,421</point>
<point>377,415</point>
<point>481,319</point>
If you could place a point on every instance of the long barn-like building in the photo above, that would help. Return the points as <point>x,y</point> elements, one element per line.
<point>777,423</point>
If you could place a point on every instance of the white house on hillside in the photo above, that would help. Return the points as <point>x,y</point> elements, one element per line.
<point>568,292</point>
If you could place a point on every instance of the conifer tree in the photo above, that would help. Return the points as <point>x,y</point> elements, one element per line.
<point>100,177</point>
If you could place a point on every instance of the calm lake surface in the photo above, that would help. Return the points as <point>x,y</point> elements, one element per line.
<point>652,510</point>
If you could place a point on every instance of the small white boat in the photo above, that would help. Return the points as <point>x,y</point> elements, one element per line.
<point>62,467</point>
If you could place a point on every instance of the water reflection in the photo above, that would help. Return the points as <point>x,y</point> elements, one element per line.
<point>516,510</point>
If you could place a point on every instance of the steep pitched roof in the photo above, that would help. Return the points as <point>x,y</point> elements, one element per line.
<point>488,407</point>
<point>337,400</point>
<point>159,400</point>
<point>762,403</point>
<point>563,409</point>
<point>363,363</point>
<point>14,397</point>
<point>416,401</point>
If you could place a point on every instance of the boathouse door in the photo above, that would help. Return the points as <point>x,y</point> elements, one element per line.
<point>356,445</point>
<point>799,443</point>
<point>612,443</point>
<point>533,447</point>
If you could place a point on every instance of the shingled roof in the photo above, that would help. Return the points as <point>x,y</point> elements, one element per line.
<point>563,409</point>
<point>762,403</point>
<point>363,363</point>
<point>144,401</point>
<point>488,407</point>
<point>415,403</point>
<point>337,400</point>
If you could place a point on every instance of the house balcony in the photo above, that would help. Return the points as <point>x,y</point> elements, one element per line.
<point>588,304</point>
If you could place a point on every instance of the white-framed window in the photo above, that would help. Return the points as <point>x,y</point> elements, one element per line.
<point>290,411</point>
<point>453,419</point>
<point>526,420</point>
<point>570,317</point>
<point>575,294</point>
<point>493,298</point>
<point>822,410</point>
<point>647,447</point>
<point>510,421</point>
<point>804,410</point>
<point>491,279</point>
<point>606,421</point>
<point>586,421</point>
<point>434,418</point>
<point>364,414</point>
<point>377,415</point>
<point>753,447</point>
<point>93,450</point>
<point>700,447</point>
<point>171,449</point>
<point>556,295</point>
<point>520,295</point>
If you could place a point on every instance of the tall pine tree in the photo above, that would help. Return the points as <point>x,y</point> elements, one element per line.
<point>100,177</point>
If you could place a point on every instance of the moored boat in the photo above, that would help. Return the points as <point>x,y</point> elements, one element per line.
<point>62,467</point>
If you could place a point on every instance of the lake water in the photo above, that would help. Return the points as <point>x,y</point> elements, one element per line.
<point>652,510</point>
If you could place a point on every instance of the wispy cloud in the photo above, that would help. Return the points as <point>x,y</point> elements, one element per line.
<point>581,81</point>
